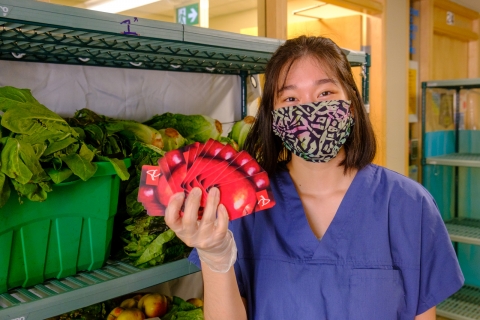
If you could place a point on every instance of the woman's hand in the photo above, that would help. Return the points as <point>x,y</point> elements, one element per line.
<point>210,235</point>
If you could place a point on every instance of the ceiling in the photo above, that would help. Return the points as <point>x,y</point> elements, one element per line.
<point>471,4</point>
<point>164,9</point>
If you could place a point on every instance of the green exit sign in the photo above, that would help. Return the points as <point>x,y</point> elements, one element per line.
<point>188,15</point>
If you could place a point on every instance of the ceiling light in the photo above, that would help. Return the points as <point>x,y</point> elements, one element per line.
<point>114,6</point>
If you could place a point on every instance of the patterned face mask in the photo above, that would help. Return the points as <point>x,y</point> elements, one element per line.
<point>314,131</point>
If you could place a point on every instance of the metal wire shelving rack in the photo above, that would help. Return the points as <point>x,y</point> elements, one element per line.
<point>465,304</point>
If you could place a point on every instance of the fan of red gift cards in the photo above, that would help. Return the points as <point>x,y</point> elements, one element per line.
<point>244,186</point>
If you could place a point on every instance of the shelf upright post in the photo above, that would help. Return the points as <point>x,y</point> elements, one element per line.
<point>243,80</point>
<point>457,149</point>
<point>366,82</point>
<point>424,113</point>
<point>456,168</point>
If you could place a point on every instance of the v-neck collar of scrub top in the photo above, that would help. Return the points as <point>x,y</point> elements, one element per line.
<point>337,233</point>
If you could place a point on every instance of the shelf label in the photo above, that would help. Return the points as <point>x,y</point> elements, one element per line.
<point>4,10</point>
<point>129,32</point>
<point>188,15</point>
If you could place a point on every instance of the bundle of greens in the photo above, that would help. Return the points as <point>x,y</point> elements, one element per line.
<point>147,247</point>
<point>146,241</point>
<point>240,130</point>
<point>39,148</point>
<point>182,310</point>
<point>192,127</point>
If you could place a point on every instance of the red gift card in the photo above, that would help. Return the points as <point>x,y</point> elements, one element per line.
<point>152,175</point>
<point>244,186</point>
<point>148,190</point>
<point>264,200</point>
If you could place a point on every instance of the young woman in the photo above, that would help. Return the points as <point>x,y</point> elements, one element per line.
<point>346,239</point>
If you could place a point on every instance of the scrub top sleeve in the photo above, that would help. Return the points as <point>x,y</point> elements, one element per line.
<point>193,258</point>
<point>440,273</point>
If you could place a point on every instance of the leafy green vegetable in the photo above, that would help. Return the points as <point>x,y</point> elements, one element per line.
<point>60,175</point>
<point>25,115</point>
<point>191,127</point>
<point>118,165</point>
<point>155,248</point>
<point>240,130</point>
<point>182,310</point>
<point>33,191</point>
<point>133,206</point>
<point>99,128</point>
<point>143,132</point>
<point>38,148</point>
<point>230,141</point>
<point>81,167</point>
<point>20,162</point>
<point>4,189</point>
<point>196,314</point>
<point>172,139</point>
<point>58,145</point>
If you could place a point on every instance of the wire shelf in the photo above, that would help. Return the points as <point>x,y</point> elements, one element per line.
<point>58,296</point>
<point>84,37</point>
<point>462,305</point>
<point>465,230</point>
<point>456,159</point>
<point>56,44</point>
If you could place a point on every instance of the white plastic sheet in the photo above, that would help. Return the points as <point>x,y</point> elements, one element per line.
<point>126,93</point>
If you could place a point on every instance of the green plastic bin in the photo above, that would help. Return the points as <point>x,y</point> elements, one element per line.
<point>69,232</point>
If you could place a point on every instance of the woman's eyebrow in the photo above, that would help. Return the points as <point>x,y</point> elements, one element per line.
<point>327,80</point>
<point>317,82</point>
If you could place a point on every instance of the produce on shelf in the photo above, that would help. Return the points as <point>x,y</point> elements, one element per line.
<point>230,141</point>
<point>96,311</point>
<point>103,130</point>
<point>196,302</point>
<point>192,127</point>
<point>131,302</point>
<point>155,304</point>
<point>172,139</point>
<point>38,148</point>
<point>138,307</point>
<point>126,314</point>
<point>142,132</point>
<point>183,310</point>
<point>147,241</point>
<point>240,130</point>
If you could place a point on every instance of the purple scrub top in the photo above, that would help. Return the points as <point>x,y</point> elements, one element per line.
<point>385,255</point>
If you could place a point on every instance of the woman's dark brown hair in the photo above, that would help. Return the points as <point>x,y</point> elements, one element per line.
<point>261,142</point>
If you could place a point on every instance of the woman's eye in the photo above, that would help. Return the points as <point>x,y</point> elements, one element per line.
<point>290,99</point>
<point>325,93</point>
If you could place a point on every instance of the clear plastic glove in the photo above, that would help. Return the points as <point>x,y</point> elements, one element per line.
<point>210,235</point>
